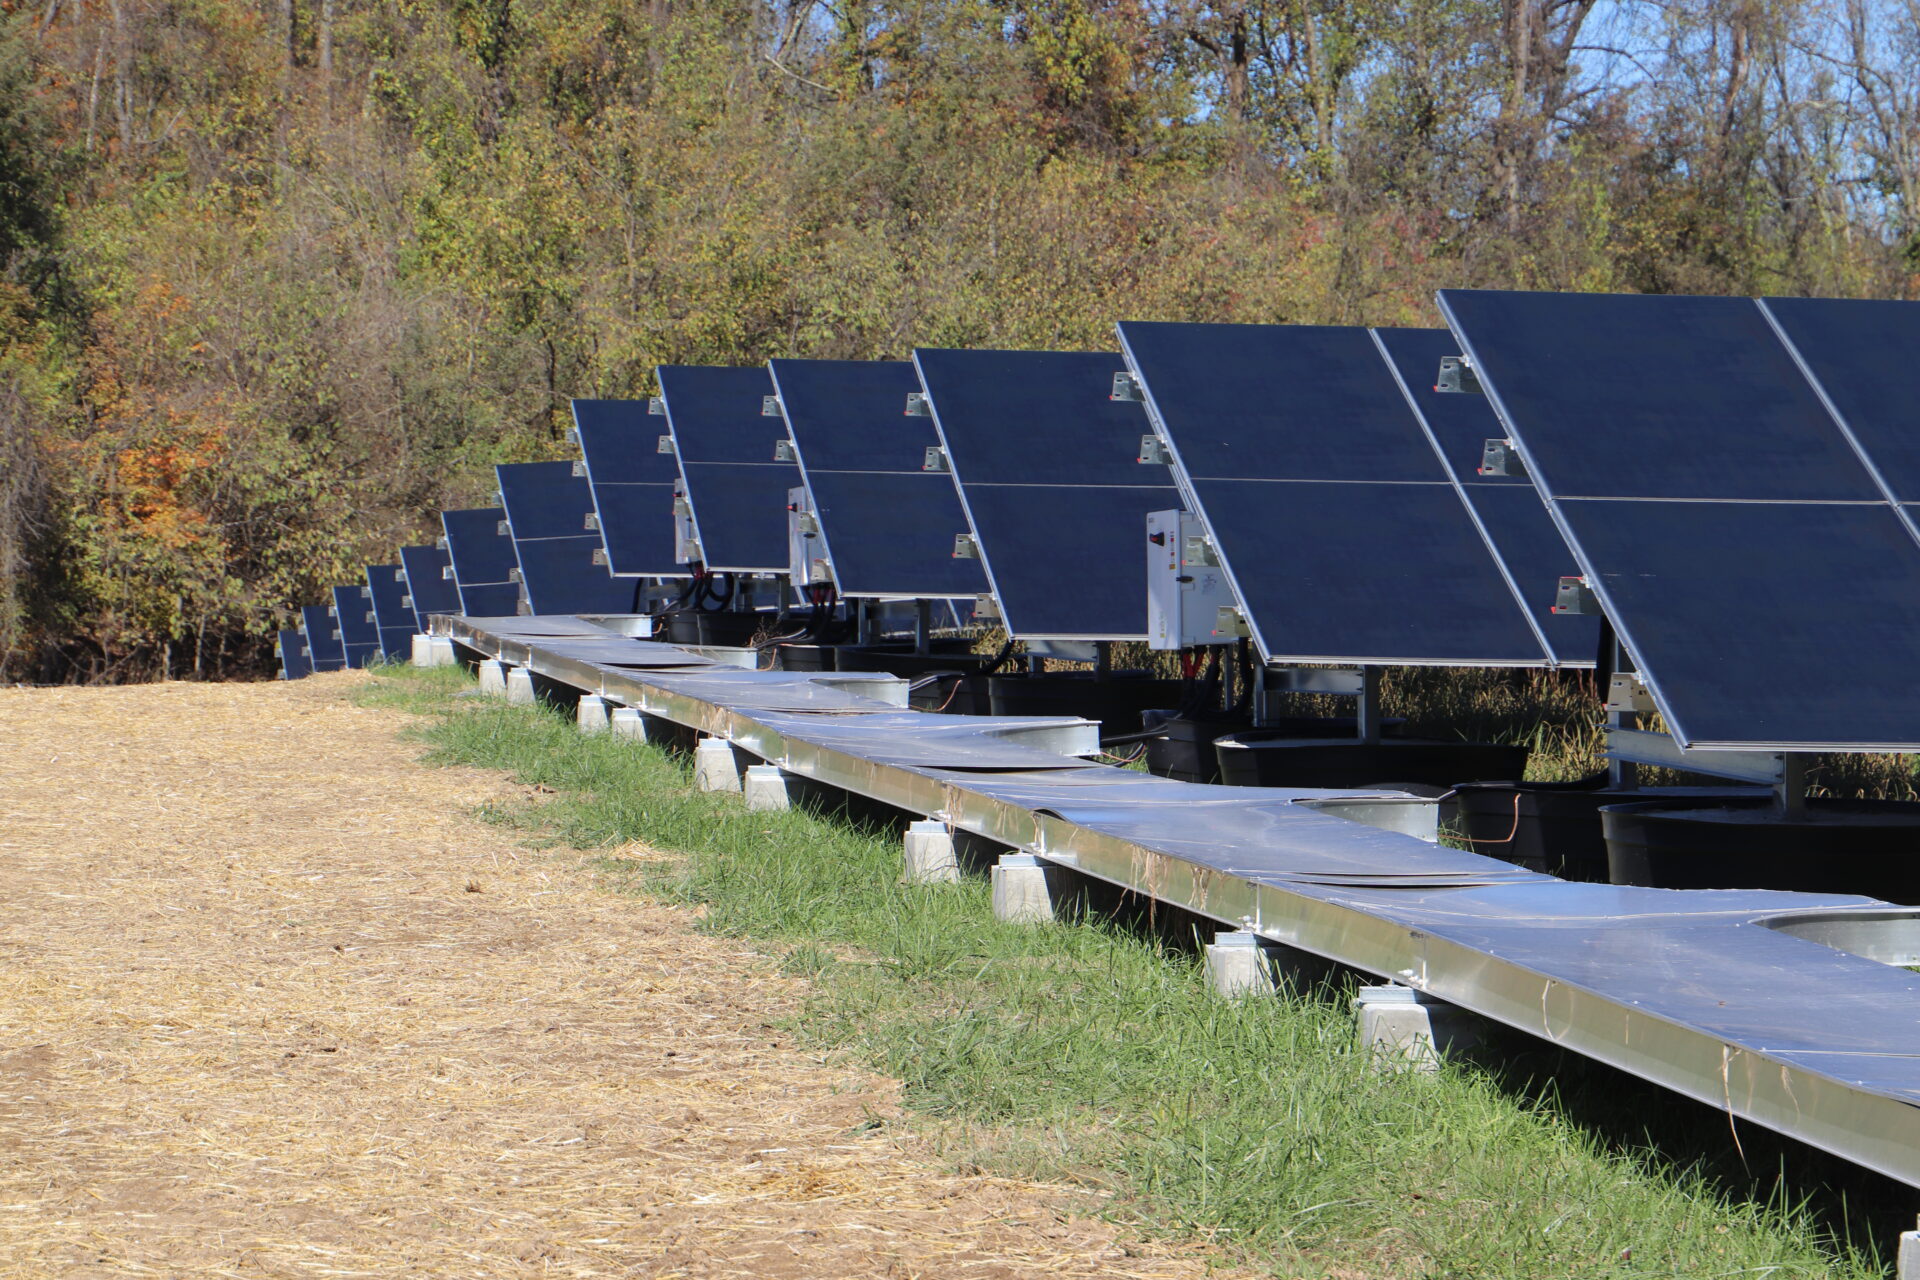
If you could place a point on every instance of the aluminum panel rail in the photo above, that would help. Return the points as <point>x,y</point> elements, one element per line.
<point>1764,1004</point>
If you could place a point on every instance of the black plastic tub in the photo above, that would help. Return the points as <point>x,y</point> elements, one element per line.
<point>1185,749</point>
<point>715,627</point>
<point>1555,827</point>
<point>1869,847</point>
<point>954,695</point>
<point>955,656</point>
<point>1116,700</point>
<point>1271,758</point>
<point>805,657</point>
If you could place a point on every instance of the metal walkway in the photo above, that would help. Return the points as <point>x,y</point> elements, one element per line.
<point>1744,1000</point>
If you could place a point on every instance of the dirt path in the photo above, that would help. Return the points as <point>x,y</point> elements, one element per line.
<point>271,1005</point>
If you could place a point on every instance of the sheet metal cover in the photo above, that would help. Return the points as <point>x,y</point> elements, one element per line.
<point>427,584</point>
<point>1047,465</point>
<point>1343,534</point>
<point>725,443</point>
<point>632,483</point>
<point>323,646</point>
<point>1509,509</point>
<point>1768,594</point>
<point>887,523</point>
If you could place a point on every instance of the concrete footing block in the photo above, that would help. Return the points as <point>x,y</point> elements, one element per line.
<point>1022,893</point>
<point>765,788</point>
<point>520,687</point>
<point>1405,1030</point>
<point>432,651</point>
<point>714,768</point>
<point>930,857</point>
<point>1907,1264</point>
<point>590,713</point>
<point>1237,965</point>
<point>493,677</point>
<point>630,722</point>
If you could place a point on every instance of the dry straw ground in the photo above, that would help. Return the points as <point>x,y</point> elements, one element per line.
<point>272,1004</point>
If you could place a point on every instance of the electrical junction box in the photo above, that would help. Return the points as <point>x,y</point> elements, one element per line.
<point>1186,587</point>
<point>806,549</point>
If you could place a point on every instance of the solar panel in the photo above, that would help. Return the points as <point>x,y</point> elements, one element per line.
<point>1860,355</point>
<point>292,652</point>
<point>353,615</point>
<point>429,575</point>
<point>1341,530</point>
<point>886,524</point>
<point>1768,595</point>
<point>1511,513</point>
<point>632,483</point>
<point>547,508</point>
<point>391,613</point>
<point>483,562</point>
<point>324,649</point>
<point>735,491</point>
<point>1046,465</point>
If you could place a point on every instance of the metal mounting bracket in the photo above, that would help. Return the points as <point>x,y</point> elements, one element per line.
<point>513,575</point>
<point>681,507</point>
<point>580,469</point>
<point>1229,622</point>
<point>1197,551</point>
<point>592,522</point>
<point>656,405</point>
<point>936,459</point>
<point>1641,746</point>
<point>573,436</point>
<point>664,445</point>
<point>1576,597</point>
<point>965,547</point>
<point>600,556</point>
<point>440,543</point>
<point>1626,693</point>
<point>503,529</point>
<point>446,573</point>
<point>1457,376</point>
<point>986,609</point>
<point>1153,449</point>
<point>1127,388</point>
<point>918,405</point>
<point>783,451</point>
<point>1498,458</point>
<point>770,407</point>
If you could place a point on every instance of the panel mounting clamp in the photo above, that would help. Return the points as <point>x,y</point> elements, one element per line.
<point>580,470</point>
<point>1498,458</point>
<point>770,407</point>
<point>1576,597</point>
<point>656,406</point>
<point>664,445</point>
<point>965,547</point>
<point>936,459</point>
<point>783,451</point>
<point>1154,449</point>
<point>1126,388</point>
<point>1457,376</point>
<point>918,405</point>
<point>1230,622</point>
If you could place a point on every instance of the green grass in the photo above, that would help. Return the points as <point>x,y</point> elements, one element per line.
<point>1093,1054</point>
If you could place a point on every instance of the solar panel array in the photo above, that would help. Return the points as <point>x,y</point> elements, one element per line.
<point>1048,473</point>
<point>1344,534</point>
<point>724,442</point>
<point>483,562</point>
<point>1734,519</point>
<point>862,460</point>
<point>556,555</point>
<point>632,484</point>
<point>428,571</point>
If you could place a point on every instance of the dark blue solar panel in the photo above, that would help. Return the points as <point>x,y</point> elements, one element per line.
<point>632,484</point>
<point>560,577</point>
<point>1509,508</point>
<point>1048,471</point>
<point>1767,594</point>
<point>390,610</point>
<point>1862,353</point>
<point>544,500</point>
<point>292,652</point>
<point>1343,533</point>
<point>481,553</point>
<point>1656,397</point>
<point>353,614</point>
<point>323,646</point>
<point>888,524</point>
<point>429,585</point>
<point>490,600</point>
<point>725,443</point>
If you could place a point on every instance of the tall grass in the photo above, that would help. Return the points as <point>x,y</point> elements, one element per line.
<point>1094,1054</point>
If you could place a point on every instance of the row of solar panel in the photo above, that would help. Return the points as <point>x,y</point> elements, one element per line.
<point>1734,479</point>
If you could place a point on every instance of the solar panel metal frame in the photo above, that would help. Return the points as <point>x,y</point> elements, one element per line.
<point>1595,578</point>
<point>692,433</point>
<point>635,515</point>
<point>946,427</point>
<point>387,585</point>
<point>1275,653</point>
<point>427,570</point>
<point>550,538</point>
<point>803,423</point>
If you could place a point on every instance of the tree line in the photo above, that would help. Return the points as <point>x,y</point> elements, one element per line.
<point>281,280</point>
